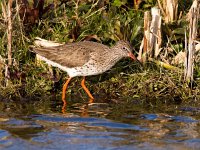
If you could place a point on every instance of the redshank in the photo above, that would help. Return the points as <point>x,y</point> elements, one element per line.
<point>84,59</point>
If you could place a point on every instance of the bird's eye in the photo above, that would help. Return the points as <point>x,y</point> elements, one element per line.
<point>124,48</point>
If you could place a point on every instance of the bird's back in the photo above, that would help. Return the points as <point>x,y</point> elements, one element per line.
<point>72,54</point>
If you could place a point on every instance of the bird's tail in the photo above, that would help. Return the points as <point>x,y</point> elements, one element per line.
<point>39,42</point>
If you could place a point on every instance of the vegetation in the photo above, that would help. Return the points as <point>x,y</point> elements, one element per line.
<point>102,21</point>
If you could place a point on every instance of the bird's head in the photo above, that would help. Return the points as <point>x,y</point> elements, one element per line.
<point>125,49</point>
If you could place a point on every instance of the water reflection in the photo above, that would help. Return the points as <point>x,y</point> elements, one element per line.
<point>98,126</point>
<point>84,111</point>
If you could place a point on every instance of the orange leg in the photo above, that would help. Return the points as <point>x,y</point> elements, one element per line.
<point>91,100</point>
<point>86,89</point>
<point>64,91</point>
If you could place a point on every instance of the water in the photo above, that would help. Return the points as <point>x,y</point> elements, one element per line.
<point>42,125</point>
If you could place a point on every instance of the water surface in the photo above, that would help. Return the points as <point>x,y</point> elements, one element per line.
<point>99,126</point>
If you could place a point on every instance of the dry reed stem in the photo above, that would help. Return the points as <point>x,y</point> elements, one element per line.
<point>155,36</point>
<point>169,9</point>
<point>151,42</point>
<point>146,35</point>
<point>9,33</point>
<point>190,50</point>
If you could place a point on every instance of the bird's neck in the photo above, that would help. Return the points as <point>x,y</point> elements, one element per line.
<point>116,52</point>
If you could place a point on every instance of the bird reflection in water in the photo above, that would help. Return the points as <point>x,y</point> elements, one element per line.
<point>84,112</point>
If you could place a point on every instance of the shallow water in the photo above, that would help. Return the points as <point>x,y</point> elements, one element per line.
<point>99,126</point>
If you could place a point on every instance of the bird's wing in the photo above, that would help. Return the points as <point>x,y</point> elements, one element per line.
<point>66,55</point>
<point>70,55</point>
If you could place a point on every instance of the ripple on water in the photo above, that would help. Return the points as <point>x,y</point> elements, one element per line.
<point>4,139</point>
<point>132,130</point>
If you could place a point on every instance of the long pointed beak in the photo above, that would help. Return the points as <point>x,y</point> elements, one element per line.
<point>132,56</point>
